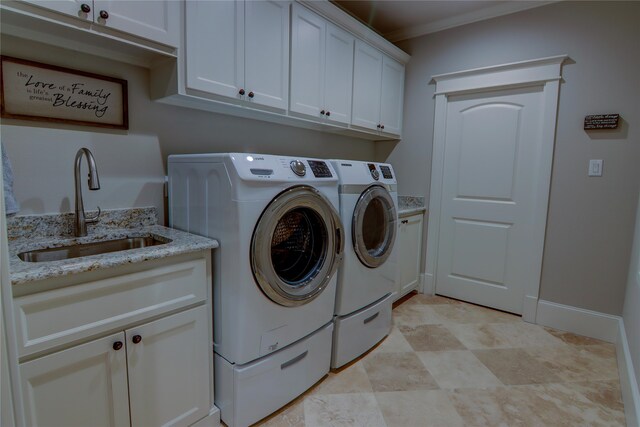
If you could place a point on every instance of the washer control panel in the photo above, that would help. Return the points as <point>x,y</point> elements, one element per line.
<point>265,167</point>
<point>298,167</point>
<point>374,172</point>
<point>386,172</point>
<point>320,169</point>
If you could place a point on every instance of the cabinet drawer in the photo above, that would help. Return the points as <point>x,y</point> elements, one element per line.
<point>62,316</point>
<point>357,333</point>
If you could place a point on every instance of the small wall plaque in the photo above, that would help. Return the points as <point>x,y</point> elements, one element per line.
<point>601,121</point>
<point>34,91</point>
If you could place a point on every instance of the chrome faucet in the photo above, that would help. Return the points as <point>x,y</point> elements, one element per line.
<point>94,184</point>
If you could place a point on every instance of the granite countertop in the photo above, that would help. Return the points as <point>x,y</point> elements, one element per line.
<point>117,224</point>
<point>410,205</point>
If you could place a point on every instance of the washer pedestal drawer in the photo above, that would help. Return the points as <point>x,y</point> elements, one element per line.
<point>356,333</point>
<point>247,393</point>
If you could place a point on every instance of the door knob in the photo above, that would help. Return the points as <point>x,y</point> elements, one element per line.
<point>85,8</point>
<point>104,14</point>
<point>251,94</point>
<point>136,339</point>
<point>117,345</point>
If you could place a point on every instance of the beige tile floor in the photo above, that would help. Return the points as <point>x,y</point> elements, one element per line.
<point>449,363</point>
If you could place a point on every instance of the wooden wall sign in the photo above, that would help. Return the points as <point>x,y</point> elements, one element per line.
<point>601,121</point>
<point>34,91</point>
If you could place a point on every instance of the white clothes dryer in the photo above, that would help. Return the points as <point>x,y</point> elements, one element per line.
<point>281,241</point>
<point>367,278</point>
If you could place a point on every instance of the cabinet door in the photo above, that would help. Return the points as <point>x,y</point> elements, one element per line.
<point>151,19</point>
<point>392,95</point>
<point>307,62</point>
<point>410,241</point>
<point>338,73</point>
<point>66,7</point>
<point>83,386</point>
<point>215,46</point>
<point>169,370</point>
<point>266,55</point>
<point>367,78</point>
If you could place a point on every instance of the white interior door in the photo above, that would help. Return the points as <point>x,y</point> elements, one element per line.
<point>490,185</point>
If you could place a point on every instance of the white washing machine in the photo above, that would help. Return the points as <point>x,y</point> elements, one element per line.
<point>281,241</point>
<point>367,278</point>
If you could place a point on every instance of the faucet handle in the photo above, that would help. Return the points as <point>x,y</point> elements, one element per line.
<point>94,218</point>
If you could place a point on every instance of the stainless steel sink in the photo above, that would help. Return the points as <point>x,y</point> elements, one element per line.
<point>86,249</point>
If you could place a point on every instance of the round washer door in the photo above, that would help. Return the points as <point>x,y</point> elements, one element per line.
<point>296,247</point>
<point>374,226</point>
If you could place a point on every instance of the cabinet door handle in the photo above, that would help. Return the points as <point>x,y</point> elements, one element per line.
<point>322,112</point>
<point>405,221</point>
<point>328,113</point>
<point>104,14</point>
<point>381,126</point>
<point>251,94</point>
<point>136,339</point>
<point>241,91</point>
<point>378,126</point>
<point>85,8</point>
<point>117,345</point>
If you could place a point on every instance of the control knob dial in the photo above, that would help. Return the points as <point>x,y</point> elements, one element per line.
<point>298,167</point>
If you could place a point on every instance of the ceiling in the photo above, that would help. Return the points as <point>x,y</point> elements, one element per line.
<point>403,19</point>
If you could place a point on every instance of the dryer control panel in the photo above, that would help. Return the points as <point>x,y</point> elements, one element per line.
<point>356,172</point>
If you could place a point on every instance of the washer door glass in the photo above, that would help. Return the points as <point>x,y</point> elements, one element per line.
<point>374,226</point>
<point>296,246</point>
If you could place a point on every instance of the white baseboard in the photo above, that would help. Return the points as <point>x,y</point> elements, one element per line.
<point>628,381</point>
<point>530,309</point>
<point>578,320</point>
<point>428,286</point>
<point>604,327</point>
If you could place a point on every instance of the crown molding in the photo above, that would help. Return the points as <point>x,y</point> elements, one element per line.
<point>341,18</point>
<point>501,9</point>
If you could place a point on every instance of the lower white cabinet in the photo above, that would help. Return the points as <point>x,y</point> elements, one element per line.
<point>409,243</point>
<point>84,385</point>
<point>135,349</point>
<point>151,374</point>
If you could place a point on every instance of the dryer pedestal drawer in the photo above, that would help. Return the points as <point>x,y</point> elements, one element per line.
<point>356,333</point>
<point>247,393</point>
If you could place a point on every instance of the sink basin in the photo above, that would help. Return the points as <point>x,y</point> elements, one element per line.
<point>86,249</point>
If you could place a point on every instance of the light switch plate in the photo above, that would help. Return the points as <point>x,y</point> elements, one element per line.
<point>595,167</point>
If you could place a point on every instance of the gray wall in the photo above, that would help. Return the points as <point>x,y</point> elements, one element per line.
<point>132,164</point>
<point>631,311</point>
<point>590,220</point>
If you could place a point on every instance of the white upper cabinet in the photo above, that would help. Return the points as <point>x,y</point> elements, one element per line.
<point>367,82</point>
<point>239,50</point>
<point>392,96</point>
<point>321,67</point>
<point>154,20</point>
<point>151,19</point>
<point>82,9</point>
<point>215,47</point>
<point>378,87</point>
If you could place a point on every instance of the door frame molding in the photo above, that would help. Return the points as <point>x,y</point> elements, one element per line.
<point>543,72</point>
